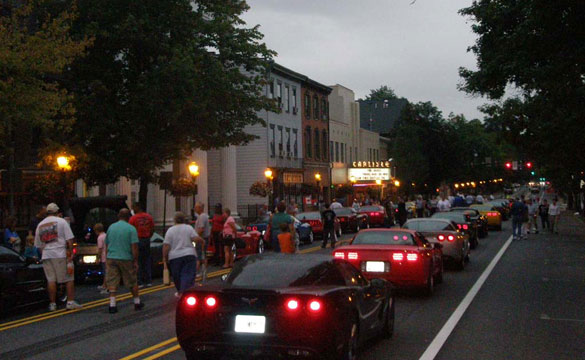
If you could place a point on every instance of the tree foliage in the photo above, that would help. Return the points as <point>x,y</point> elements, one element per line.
<point>162,79</point>
<point>538,48</point>
<point>382,93</point>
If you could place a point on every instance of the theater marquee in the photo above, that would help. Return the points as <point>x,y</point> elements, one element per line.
<point>371,164</point>
<point>369,174</point>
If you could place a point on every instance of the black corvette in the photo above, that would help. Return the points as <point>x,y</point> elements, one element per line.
<point>281,305</point>
<point>351,220</point>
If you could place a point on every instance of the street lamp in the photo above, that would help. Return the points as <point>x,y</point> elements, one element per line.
<point>269,178</point>
<point>396,183</point>
<point>194,171</point>
<point>64,166</point>
<point>318,179</point>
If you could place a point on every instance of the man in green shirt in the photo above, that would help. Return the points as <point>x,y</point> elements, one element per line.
<point>281,217</point>
<point>122,259</point>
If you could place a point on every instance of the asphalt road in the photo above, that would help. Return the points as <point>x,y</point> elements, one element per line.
<point>530,307</point>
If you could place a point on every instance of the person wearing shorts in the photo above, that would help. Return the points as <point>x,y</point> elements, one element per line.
<point>203,229</point>
<point>55,239</point>
<point>122,259</point>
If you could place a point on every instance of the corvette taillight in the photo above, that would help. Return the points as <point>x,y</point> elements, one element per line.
<point>339,255</point>
<point>292,304</point>
<point>465,227</point>
<point>398,256</point>
<point>315,306</point>
<point>451,238</point>
<point>191,301</point>
<point>441,237</point>
<point>211,302</point>
<point>412,257</point>
<point>459,226</point>
<point>352,256</point>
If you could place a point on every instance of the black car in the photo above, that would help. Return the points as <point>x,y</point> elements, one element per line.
<point>22,281</point>
<point>464,224</point>
<point>283,305</point>
<point>351,220</point>
<point>475,215</point>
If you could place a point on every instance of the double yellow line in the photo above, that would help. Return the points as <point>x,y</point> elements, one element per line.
<point>166,349</point>
<point>93,304</point>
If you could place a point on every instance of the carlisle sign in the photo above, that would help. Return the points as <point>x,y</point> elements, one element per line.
<point>369,174</point>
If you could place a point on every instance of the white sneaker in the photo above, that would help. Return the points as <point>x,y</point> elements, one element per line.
<point>52,307</point>
<point>73,305</point>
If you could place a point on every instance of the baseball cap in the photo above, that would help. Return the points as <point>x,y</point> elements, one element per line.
<point>52,208</point>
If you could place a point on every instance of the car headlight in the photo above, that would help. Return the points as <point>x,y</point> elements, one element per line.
<point>89,259</point>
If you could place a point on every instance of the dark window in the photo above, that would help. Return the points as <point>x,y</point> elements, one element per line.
<point>296,144</point>
<point>315,107</point>
<point>336,151</point>
<point>457,217</point>
<point>384,238</point>
<point>317,144</point>
<point>427,225</point>
<point>309,216</point>
<point>352,276</point>
<point>344,211</point>
<point>325,143</point>
<point>272,135</point>
<point>284,271</point>
<point>308,137</point>
<point>307,106</point>
<point>288,153</point>
<point>324,109</point>
<point>371,208</point>
<point>280,142</point>
<point>271,89</point>
<point>279,93</point>
<point>331,154</point>
<point>294,100</point>
<point>286,98</point>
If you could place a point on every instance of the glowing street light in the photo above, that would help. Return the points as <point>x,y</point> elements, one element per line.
<point>193,169</point>
<point>268,174</point>
<point>318,177</point>
<point>63,163</point>
<point>378,182</point>
<point>396,183</point>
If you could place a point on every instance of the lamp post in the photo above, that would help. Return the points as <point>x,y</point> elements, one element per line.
<point>318,180</point>
<point>269,177</point>
<point>64,167</point>
<point>379,182</point>
<point>194,171</point>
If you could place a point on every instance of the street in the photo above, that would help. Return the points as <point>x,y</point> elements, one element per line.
<point>529,307</point>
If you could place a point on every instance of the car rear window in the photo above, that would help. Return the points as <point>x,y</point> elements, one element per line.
<point>458,217</point>
<point>427,225</point>
<point>371,208</point>
<point>343,211</point>
<point>384,238</point>
<point>484,208</point>
<point>309,216</point>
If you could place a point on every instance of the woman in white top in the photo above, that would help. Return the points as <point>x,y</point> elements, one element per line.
<point>554,212</point>
<point>179,253</point>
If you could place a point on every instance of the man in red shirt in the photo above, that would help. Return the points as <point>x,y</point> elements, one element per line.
<point>144,225</point>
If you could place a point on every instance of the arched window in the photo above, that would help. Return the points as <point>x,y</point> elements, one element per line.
<point>325,143</point>
<point>317,145</point>
<point>308,146</point>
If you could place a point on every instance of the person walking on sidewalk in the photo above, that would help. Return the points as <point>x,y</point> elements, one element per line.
<point>122,259</point>
<point>518,212</point>
<point>144,225</point>
<point>179,253</point>
<point>420,207</point>
<point>554,212</point>
<point>54,237</point>
<point>328,216</point>
<point>204,231</point>
<point>543,211</point>
<point>229,237</point>
<point>101,244</point>
<point>532,215</point>
<point>216,228</point>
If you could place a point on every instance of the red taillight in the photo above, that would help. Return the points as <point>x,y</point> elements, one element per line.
<point>465,227</point>
<point>459,226</point>
<point>248,228</point>
<point>412,257</point>
<point>451,238</point>
<point>292,304</point>
<point>441,237</point>
<point>191,301</point>
<point>339,255</point>
<point>398,256</point>
<point>255,228</point>
<point>315,305</point>
<point>211,301</point>
<point>74,250</point>
<point>352,256</point>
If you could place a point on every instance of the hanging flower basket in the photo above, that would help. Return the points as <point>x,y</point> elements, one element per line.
<point>183,186</point>
<point>260,189</point>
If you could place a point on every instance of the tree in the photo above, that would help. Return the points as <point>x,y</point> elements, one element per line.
<point>536,47</point>
<point>381,94</point>
<point>162,79</point>
<point>35,49</point>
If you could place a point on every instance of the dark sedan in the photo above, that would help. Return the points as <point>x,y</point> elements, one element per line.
<point>351,220</point>
<point>376,215</point>
<point>282,305</point>
<point>464,223</point>
<point>22,282</point>
<point>475,215</point>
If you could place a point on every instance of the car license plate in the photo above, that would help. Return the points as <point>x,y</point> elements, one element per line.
<point>89,259</point>
<point>250,324</point>
<point>374,266</point>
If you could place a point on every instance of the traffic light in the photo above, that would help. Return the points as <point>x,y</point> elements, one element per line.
<point>532,173</point>
<point>529,165</point>
<point>508,165</point>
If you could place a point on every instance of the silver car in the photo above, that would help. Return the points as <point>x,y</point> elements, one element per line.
<point>455,243</point>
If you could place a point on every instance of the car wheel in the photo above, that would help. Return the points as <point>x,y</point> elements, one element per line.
<point>430,288</point>
<point>260,246</point>
<point>388,329</point>
<point>439,276</point>
<point>461,263</point>
<point>357,227</point>
<point>350,347</point>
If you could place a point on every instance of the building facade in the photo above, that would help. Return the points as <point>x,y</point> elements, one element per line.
<point>380,116</point>
<point>315,120</point>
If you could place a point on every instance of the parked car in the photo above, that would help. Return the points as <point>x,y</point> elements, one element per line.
<point>260,224</point>
<point>476,216</point>
<point>376,215</point>
<point>502,206</point>
<point>403,257</point>
<point>253,241</point>
<point>351,220</point>
<point>282,306</point>
<point>455,243</point>
<point>493,216</point>
<point>313,218</point>
<point>304,231</point>
<point>464,224</point>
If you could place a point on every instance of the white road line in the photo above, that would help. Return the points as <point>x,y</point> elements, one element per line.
<point>444,333</point>
<point>546,317</point>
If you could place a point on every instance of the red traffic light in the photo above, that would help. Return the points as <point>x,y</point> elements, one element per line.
<point>529,165</point>
<point>508,165</point>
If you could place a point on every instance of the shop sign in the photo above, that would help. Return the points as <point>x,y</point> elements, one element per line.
<point>292,178</point>
<point>369,174</point>
<point>371,164</point>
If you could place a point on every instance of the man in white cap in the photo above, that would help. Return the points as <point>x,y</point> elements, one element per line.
<point>55,239</point>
